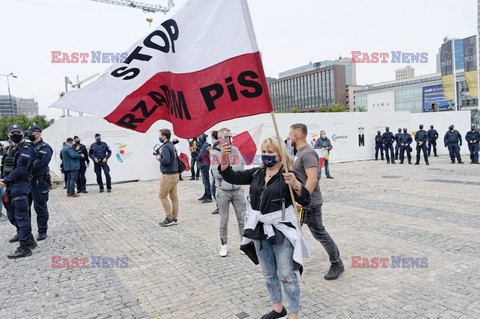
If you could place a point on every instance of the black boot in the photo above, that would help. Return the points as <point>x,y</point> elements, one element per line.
<point>42,236</point>
<point>22,251</point>
<point>335,271</point>
<point>13,239</point>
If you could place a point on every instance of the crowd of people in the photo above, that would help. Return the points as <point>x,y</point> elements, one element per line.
<point>269,229</point>
<point>426,141</point>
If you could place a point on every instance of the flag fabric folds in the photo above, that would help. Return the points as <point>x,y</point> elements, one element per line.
<point>200,66</point>
<point>247,143</point>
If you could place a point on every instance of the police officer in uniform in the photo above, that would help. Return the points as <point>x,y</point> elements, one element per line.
<point>421,138</point>
<point>17,163</point>
<point>405,141</point>
<point>388,138</point>
<point>41,181</point>
<point>451,140</point>
<point>378,145</point>
<point>473,138</point>
<point>432,141</point>
<point>397,140</point>
<point>84,163</point>
<point>100,153</point>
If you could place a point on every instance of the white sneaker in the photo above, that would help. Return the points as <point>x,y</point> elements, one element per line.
<point>224,251</point>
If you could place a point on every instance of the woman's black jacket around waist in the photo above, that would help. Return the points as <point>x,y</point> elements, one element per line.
<point>265,198</point>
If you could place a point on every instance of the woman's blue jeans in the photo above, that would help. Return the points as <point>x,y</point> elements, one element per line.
<point>276,262</point>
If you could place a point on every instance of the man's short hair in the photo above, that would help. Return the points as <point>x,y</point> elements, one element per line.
<point>300,127</point>
<point>69,140</point>
<point>223,130</point>
<point>166,132</point>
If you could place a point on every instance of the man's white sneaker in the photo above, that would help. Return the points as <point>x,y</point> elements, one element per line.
<point>224,251</point>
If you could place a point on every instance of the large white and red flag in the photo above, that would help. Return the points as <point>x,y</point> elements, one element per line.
<point>199,67</point>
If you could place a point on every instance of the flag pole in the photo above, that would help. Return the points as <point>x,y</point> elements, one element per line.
<point>286,169</point>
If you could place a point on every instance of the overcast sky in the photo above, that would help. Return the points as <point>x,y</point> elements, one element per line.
<point>289,34</point>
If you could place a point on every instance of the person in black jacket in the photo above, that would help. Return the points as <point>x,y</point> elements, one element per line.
<point>388,139</point>
<point>432,141</point>
<point>379,145</point>
<point>397,144</point>
<point>271,223</point>
<point>451,140</point>
<point>84,163</point>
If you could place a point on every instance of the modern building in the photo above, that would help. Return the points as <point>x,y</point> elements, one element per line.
<point>458,48</point>
<point>308,90</point>
<point>350,69</point>
<point>350,99</point>
<point>405,73</point>
<point>28,107</point>
<point>6,108</point>
<point>419,94</point>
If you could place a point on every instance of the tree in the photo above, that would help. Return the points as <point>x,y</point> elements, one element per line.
<point>323,109</point>
<point>337,107</point>
<point>360,109</point>
<point>25,122</point>
<point>295,109</point>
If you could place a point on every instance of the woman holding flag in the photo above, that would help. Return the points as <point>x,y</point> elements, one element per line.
<point>271,225</point>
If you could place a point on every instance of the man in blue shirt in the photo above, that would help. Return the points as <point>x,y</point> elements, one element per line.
<point>100,153</point>
<point>168,185</point>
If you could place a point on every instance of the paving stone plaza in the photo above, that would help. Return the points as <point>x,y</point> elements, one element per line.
<point>371,210</point>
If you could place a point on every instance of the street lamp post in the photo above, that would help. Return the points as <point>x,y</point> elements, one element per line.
<point>9,95</point>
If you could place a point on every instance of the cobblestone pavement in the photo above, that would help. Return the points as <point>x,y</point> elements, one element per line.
<point>371,210</point>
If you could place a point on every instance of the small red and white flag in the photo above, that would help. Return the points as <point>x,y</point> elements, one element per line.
<point>199,67</point>
<point>247,143</point>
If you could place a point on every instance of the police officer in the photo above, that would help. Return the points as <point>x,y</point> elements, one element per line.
<point>473,138</point>
<point>41,181</point>
<point>84,163</point>
<point>378,145</point>
<point>388,139</point>
<point>405,141</point>
<point>17,163</point>
<point>432,141</point>
<point>100,153</point>
<point>397,140</point>
<point>451,140</point>
<point>421,138</point>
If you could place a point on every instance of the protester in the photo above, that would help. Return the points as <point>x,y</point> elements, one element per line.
<point>213,188</point>
<point>227,193</point>
<point>168,184</point>
<point>271,224</point>
<point>306,167</point>
<point>323,143</point>
<point>71,165</point>
<point>204,158</point>
<point>194,149</point>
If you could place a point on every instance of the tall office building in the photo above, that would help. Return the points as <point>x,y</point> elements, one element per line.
<point>6,108</point>
<point>310,89</point>
<point>28,107</point>
<point>458,47</point>
<point>350,69</point>
<point>405,73</point>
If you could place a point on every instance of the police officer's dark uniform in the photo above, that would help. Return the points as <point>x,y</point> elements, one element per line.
<point>451,140</point>
<point>432,141</point>
<point>388,139</point>
<point>473,138</point>
<point>397,140</point>
<point>421,138</point>
<point>81,149</point>
<point>378,145</point>
<point>405,141</point>
<point>41,181</point>
<point>17,163</point>
<point>100,151</point>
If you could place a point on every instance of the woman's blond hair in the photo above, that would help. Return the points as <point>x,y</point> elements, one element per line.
<point>272,143</point>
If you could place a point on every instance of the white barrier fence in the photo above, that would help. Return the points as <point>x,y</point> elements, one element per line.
<point>352,136</point>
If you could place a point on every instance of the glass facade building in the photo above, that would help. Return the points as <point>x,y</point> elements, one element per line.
<point>350,70</point>
<point>459,60</point>
<point>415,95</point>
<point>309,90</point>
<point>6,108</point>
